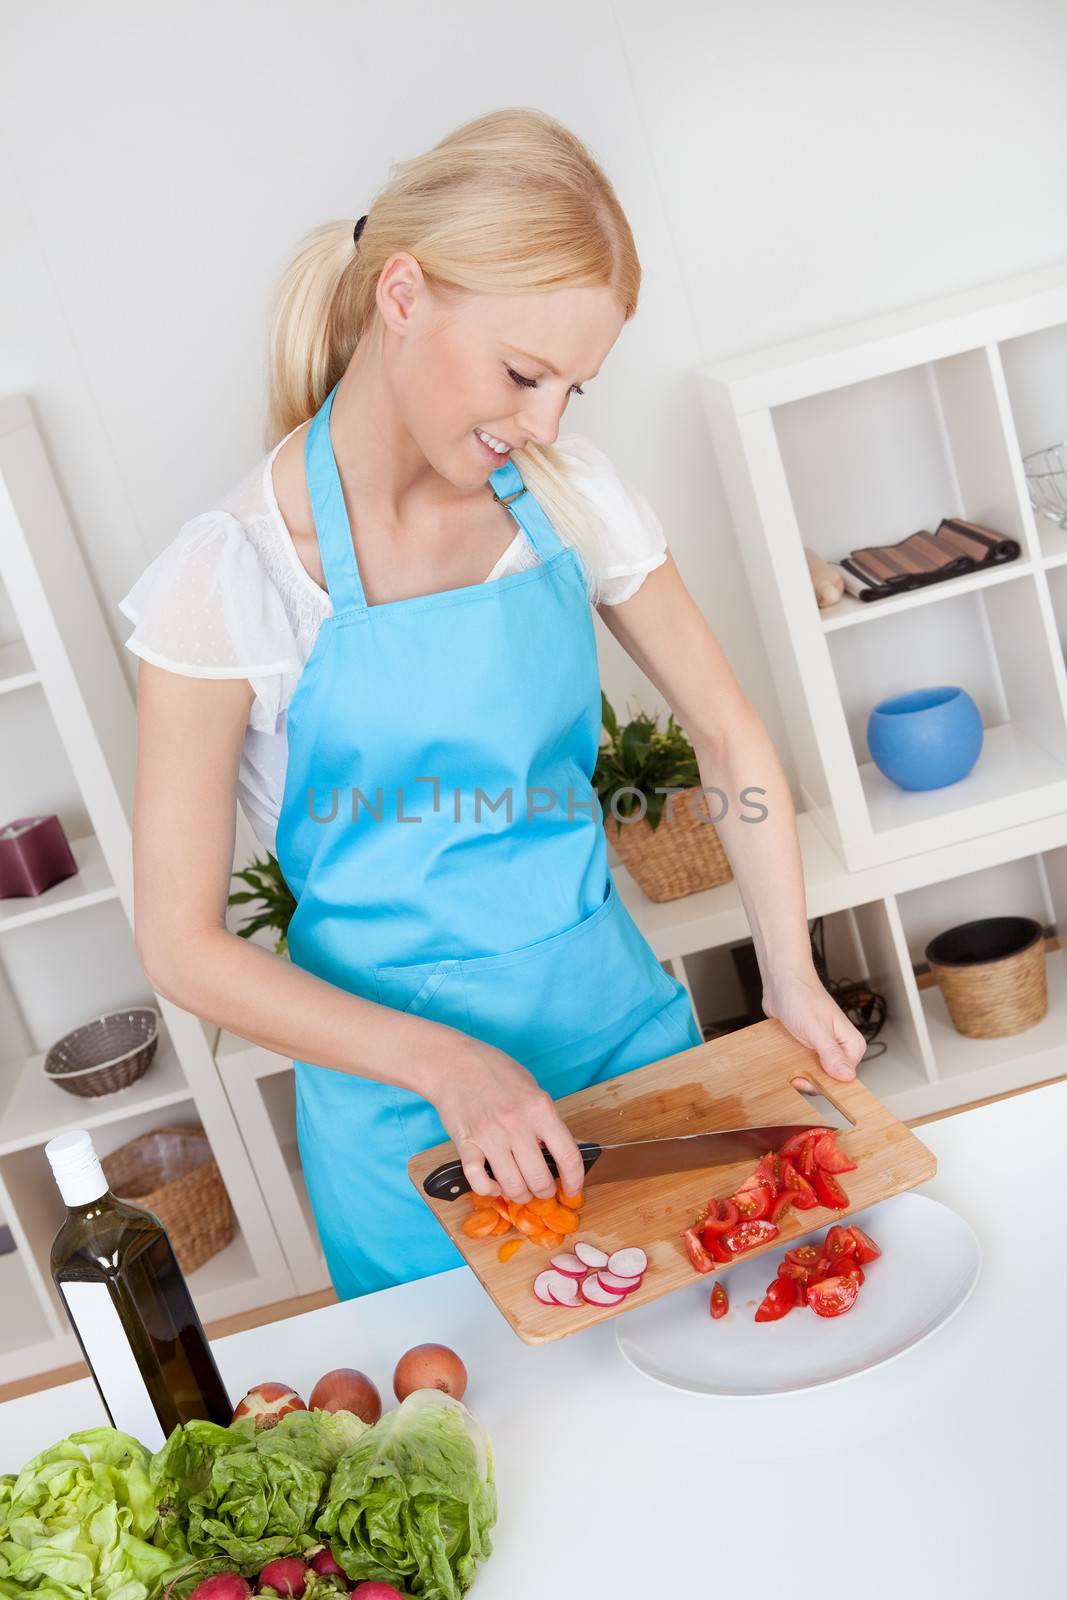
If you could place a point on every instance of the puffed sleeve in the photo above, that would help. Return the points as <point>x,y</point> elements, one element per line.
<point>206,608</point>
<point>636,543</point>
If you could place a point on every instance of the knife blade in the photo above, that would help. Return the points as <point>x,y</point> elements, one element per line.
<point>645,1158</point>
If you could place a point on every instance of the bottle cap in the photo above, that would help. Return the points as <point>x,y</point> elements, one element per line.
<point>76,1167</point>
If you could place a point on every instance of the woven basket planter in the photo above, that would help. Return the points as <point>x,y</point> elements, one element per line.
<point>681,855</point>
<point>172,1173</point>
<point>992,975</point>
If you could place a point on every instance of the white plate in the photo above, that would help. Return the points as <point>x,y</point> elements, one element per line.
<point>930,1263</point>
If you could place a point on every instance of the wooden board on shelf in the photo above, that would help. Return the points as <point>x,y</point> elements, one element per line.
<point>741,1080</point>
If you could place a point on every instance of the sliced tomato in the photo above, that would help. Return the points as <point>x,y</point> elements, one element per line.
<point>829,1157</point>
<point>716,1248</point>
<point>838,1243</point>
<point>866,1249</point>
<point>781,1296</point>
<point>782,1202</point>
<point>829,1191</point>
<point>805,1161</point>
<point>720,1304</point>
<point>831,1296</point>
<point>753,1203</point>
<point>769,1171</point>
<point>796,1141</point>
<point>756,1230</point>
<point>722,1216</point>
<point>792,1179</point>
<point>849,1267</point>
<point>696,1252</point>
<point>792,1269</point>
<point>805,1255</point>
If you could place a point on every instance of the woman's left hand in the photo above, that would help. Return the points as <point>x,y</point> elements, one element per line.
<point>802,1004</point>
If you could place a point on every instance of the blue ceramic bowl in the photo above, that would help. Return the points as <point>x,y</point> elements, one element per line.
<point>926,738</point>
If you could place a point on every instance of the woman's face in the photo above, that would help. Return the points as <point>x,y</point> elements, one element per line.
<point>504,365</point>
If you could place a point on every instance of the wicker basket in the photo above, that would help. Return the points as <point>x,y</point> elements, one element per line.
<point>104,1055</point>
<point>681,855</point>
<point>172,1173</point>
<point>992,975</point>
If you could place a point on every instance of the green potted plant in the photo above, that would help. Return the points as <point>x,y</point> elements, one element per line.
<point>668,855</point>
<point>266,884</point>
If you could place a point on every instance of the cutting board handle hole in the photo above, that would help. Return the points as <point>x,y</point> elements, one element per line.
<point>825,1109</point>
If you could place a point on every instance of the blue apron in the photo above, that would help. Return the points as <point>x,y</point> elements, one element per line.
<point>443,839</point>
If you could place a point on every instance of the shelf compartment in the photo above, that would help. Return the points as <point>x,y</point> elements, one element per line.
<point>91,885</point>
<point>1033,365</point>
<point>35,1110</point>
<point>870,463</point>
<point>995,644</point>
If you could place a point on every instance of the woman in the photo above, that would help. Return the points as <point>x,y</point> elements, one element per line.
<point>417,739</point>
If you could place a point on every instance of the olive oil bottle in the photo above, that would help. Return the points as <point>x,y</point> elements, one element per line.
<point>129,1304</point>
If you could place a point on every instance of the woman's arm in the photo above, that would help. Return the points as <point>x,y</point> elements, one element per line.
<point>189,745</point>
<point>664,631</point>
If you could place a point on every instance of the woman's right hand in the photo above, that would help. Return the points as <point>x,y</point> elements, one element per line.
<point>495,1111</point>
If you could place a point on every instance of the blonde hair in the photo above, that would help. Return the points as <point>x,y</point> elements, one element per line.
<point>510,203</point>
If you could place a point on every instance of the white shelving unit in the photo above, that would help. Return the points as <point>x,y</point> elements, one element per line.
<point>69,734</point>
<point>860,436</point>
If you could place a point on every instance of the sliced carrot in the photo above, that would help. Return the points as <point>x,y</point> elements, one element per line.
<point>502,1226</point>
<point>530,1226</point>
<point>573,1202</point>
<point>541,1207</point>
<point>482,1199</point>
<point>480,1224</point>
<point>507,1250</point>
<point>547,1239</point>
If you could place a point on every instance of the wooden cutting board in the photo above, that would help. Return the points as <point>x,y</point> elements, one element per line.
<point>741,1080</point>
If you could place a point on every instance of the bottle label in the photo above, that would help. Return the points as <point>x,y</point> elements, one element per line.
<point>114,1365</point>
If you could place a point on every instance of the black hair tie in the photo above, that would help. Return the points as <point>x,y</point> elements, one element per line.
<point>358,229</point>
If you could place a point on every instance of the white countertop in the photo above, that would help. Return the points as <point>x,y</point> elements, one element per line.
<point>939,1476</point>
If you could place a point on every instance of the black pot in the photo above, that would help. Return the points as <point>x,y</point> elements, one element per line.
<point>988,939</point>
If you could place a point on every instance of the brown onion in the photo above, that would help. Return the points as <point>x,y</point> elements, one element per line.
<point>347,1389</point>
<point>430,1366</point>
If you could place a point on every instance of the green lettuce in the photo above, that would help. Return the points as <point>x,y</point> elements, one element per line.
<point>79,1522</point>
<point>239,1498</point>
<point>413,1503</point>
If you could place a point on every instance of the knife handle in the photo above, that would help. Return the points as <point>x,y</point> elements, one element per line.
<point>449,1181</point>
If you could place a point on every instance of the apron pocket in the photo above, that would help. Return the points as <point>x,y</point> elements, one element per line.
<point>432,989</point>
<point>561,992</point>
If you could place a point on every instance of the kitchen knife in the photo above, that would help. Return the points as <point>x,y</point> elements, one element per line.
<point>645,1158</point>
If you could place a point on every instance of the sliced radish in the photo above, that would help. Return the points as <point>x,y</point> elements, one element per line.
<point>563,1290</point>
<point>597,1295</point>
<point>617,1285</point>
<point>590,1254</point>
<point>540,1289</point>
<point>629,1263</point>
<point>569,1265</point>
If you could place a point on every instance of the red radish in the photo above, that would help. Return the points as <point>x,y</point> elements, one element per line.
<point>286,1576</point>
<point>629,1263</point>
<point>222,1586</point>
<point>569,1265</point>
<point>347,1389</point>
<point>617,1285</point>
<point>595,1293</point>
<point>562,1289</point>
<point>590,1254</point>
<point>325,1565</point>
<point>268,1403</point>
<point>540,1288</point>
<point>373,1589</point>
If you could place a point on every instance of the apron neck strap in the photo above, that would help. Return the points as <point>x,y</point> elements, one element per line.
<point>331,517</point>
<point>509,489</point>
<point>334,531</point>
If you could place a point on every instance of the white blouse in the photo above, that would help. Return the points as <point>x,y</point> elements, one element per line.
<point>230,598</point>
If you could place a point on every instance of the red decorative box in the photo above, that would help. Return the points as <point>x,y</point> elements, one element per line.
<point>34,854</point>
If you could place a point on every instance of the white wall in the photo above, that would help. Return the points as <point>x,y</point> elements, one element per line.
<point>785,168</point>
